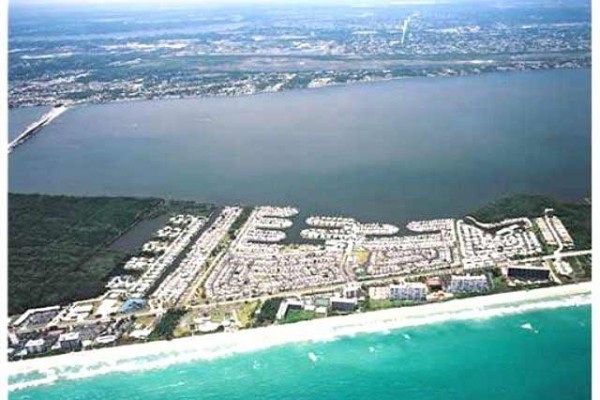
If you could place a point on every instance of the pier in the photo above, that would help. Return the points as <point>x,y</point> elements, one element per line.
<point>36,126</point>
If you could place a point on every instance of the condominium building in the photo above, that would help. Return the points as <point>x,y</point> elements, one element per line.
<point>408,291</point>
<point>69,341</point>
<point>530,273</point>
<point>351,291</point>
<point>468,284</point>
<point>342,304</point>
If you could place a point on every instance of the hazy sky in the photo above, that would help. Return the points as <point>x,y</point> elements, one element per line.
<point>231,2</point>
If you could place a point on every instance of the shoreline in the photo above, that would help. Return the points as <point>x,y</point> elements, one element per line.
<point>299,89</point>
<point>161,354</point>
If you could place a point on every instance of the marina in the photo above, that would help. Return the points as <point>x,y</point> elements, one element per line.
<point>283,200</point>
<point>236,257</point>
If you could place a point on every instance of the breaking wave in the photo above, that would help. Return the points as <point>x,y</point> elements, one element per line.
<point>156,355</point>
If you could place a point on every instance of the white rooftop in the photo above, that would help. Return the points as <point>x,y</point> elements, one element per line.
<point>35,342</point>
<point>68,336</point>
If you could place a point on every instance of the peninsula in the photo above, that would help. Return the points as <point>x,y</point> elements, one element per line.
<point>199,269</point>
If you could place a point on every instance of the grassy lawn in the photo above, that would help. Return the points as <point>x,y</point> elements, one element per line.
<point>298,315</point>
<point>372,304</point>
<point>246,313</point>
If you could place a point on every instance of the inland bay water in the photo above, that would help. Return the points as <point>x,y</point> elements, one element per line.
<point>387,151</point>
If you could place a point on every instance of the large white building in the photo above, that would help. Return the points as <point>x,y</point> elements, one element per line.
<point>468,284</point>
<point>35,346</point>
<point>408,291</point>
<point>69,341</point>
<point>351,291</point>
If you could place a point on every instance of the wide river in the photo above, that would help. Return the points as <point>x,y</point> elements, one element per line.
<point>387,151</point>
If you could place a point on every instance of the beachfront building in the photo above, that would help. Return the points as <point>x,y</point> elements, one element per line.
<point>69,341</point>
<point>351,291</point>
<point>408,291</point>
<point>343,305</point>
<point>287,305</point>
<point>36,346</point>
<point>13,339</point>
<point>530,273</point>
<point>468,284</point>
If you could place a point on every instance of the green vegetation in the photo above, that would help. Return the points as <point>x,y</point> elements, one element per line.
<point>372,304</point>
<point>499,283</point>
<point>361,273</point>
<point>582,266</point>
<point>298,315</point>
<point>576,216</point>
<point>58,245</point>
<point>167,325</point>
<point>239,222</point>
<point>268,311</point>
<point>174,207</point>
<point>246,313</point>
<point>546,248</point>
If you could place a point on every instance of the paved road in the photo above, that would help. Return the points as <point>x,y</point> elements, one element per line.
<point>566,254</point>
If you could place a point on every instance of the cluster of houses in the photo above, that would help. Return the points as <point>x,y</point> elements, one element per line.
<point>56,329</point>
<point>173,287</point>
<point>485,247</point>
<point>553,230</point>
<point>453,254</point>
<point>170,249</point>
<point>277,269</point>
<point>433,248</point>
<point>254,266</point>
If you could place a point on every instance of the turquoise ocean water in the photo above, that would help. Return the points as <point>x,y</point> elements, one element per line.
<point>541,354</point>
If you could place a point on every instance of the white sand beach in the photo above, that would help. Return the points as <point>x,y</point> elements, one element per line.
<point>164,353</point>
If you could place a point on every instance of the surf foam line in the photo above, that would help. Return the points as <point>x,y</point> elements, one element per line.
<point>163,354</point>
